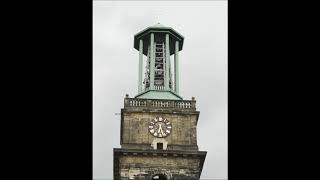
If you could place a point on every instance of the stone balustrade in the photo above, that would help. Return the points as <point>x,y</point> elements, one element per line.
<point>159,103</point>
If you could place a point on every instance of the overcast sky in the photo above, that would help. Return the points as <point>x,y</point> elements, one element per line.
<point>203,72</point>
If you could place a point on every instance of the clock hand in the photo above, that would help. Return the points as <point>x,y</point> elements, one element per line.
<point>162,132</point>
<point>160,129</point>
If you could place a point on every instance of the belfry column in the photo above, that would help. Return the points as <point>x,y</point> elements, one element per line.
<point>152,63</point>
<point>176,67</point>
<point>170,78</point>
<point>166,81</point>
<point>140,66</point>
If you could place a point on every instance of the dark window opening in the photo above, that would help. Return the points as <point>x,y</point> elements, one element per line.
<point>160,146</point>
<point>159,177</point>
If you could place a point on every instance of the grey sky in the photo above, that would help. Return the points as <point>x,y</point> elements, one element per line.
<point>203,72</point>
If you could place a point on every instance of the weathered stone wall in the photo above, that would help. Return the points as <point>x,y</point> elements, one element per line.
<point>135,130</point>
<point>139,159</point>
<point>142,168</point>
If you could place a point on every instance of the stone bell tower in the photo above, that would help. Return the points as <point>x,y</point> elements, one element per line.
<point>158,134</point>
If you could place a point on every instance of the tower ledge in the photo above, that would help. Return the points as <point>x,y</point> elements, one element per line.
<point>187,105</point>
<point>159,94</point>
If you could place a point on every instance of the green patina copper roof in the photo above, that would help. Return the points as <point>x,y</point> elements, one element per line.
<point>156,94</point>
<point>158,29</point>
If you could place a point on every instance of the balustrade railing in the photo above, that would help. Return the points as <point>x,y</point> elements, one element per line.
<point>159,87</point>
<point>158,103</point>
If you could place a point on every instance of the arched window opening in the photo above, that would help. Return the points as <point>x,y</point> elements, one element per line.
<point>159,177</point>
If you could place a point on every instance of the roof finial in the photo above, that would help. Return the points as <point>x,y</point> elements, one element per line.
<point>158,25</point>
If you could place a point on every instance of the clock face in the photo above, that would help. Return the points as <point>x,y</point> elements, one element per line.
<point>160,127</point>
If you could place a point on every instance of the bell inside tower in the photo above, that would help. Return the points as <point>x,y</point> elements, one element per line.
<point>159,71</point>
<point>159,59</point>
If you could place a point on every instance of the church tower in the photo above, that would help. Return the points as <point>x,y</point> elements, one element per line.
<point>158,133</point>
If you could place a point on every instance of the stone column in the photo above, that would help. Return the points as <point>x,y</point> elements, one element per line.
<point>152,61</point>
<point>176,67</point>
<point>166,76</point>
<point>140,66</point>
